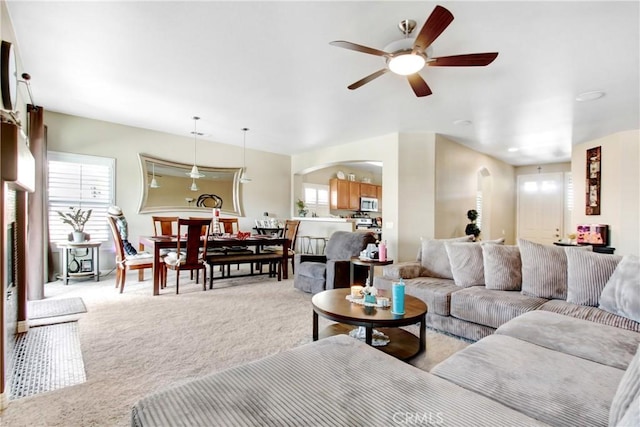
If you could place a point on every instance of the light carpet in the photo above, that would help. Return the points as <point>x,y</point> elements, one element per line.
<point>134,343</point>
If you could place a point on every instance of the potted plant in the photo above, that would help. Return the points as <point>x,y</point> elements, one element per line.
<point>302,211</point>
<point>77,219</point>
<point>472,228</point>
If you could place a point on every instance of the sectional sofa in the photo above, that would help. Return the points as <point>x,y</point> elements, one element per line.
<point>540,367</point>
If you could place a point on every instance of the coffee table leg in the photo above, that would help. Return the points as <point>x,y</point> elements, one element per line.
<point>368,338</point>
<point>315,326</point>
<point>423,334</point>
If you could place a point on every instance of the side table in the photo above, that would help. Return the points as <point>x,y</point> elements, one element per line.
<point>371,264</point>
<point>85,267</point>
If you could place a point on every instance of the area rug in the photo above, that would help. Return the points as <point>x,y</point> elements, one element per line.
<point>47,358</point>
<point>55,307</point>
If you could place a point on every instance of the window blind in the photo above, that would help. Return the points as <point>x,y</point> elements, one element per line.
<point>86,182</point>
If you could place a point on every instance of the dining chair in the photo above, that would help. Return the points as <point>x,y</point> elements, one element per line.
<point>165,225</point>
<point>190,249</point>
<point>126,262</point>
<point>230,225</point>
<point>291,234</point>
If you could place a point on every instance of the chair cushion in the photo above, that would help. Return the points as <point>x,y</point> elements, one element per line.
<point>621,295</point>
<point>139,258</point>
<point>345,244</point>
<point>311,269</point>
<point>587,275</point>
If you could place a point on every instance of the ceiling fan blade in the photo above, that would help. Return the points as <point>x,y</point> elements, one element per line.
<point>469,60</point>
<point>436,23</point>
<point>419,86</point>
<point>358,48</point>
<point>367,79</point>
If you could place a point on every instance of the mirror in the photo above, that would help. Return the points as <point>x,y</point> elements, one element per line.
<point>219,187</point>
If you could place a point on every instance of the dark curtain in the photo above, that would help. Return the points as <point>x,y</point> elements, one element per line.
<point>38,221</point>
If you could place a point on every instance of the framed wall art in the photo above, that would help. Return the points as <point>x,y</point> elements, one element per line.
<point>594,166</point>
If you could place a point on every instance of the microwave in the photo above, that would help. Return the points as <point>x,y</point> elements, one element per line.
<point>368,204</point>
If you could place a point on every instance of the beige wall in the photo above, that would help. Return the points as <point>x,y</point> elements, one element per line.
<point>620,191</point>
<point>269,191</point>
<point>456,187</point>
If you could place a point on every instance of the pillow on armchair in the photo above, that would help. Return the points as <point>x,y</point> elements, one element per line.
<point>315,273</point>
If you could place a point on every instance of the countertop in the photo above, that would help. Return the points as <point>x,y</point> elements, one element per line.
<point>323,219</point>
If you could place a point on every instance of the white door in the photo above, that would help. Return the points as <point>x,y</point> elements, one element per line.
<point>541,207</point>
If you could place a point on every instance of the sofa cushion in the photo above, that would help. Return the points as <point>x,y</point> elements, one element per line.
<point>436,293</point>
<point>322,384</point>
<point>466,263</point>
<point>621,295</point>
<point>434,258</point>
<point>625,408</point>
<point>544,269</point>
<point>502,267</point>
<point>599,343</point>
<point>593,314</point>
<point>489,307</point>
<point>550,386</point>
<point>406,270</point>
<point>587,274</point>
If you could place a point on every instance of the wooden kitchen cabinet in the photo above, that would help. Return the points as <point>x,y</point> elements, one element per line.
<point>369,190</point>
<point>379,196</point>
<point>344,194</point>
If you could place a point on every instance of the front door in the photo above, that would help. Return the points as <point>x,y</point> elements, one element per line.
<point>541,207</point>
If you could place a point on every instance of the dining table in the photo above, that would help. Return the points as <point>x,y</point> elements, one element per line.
<point>154,245</point>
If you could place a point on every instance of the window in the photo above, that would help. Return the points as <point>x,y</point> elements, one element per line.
<point>81,181</point>
<point>479,208</point>
<point>316,197</point>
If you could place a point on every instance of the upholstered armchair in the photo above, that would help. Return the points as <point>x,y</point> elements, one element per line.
<point>315,273</point>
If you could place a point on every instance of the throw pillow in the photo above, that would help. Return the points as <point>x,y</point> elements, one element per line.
<point>502,267</point>
<point>587,274</point>
<point>621,294</point>
<point>466,263</point>
<point>544,269</point>
<point>434,258</point>
<point>625,407</point>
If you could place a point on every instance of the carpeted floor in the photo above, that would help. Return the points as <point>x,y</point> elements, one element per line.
<point>134,344</point>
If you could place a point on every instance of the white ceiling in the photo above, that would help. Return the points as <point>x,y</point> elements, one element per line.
<point>269,66</point>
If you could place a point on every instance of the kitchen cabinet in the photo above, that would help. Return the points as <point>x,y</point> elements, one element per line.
<point>379,196</point>
<point>346,195</point>
<point>368,190</point>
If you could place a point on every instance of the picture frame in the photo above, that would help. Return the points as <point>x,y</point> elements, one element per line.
<point>593,181</point>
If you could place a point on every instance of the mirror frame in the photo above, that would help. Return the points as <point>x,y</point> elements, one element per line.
<point>233,208</point>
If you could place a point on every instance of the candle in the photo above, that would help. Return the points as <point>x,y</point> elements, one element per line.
<point>356,291</point>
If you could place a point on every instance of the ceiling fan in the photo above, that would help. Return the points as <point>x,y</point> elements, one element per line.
<point>408,56</point>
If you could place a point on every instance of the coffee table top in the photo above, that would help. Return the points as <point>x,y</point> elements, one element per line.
<point>333,305</point>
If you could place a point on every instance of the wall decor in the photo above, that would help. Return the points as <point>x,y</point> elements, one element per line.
<point>593,184</point>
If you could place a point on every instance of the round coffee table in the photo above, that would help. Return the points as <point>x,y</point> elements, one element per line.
<point>333,305</point>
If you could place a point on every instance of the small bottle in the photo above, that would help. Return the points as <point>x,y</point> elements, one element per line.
<point>382,251</point>
<point>397,297</point>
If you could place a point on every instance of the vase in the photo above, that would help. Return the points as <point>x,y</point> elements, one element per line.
<point>78,236</point>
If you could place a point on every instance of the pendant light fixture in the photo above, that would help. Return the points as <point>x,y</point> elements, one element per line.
<point>195,173</point>
<point>194,186</point>
<point>243,177</point>
<point>154,182</point>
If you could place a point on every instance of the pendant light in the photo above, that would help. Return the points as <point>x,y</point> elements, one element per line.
<point>154,182</point>
<point>243,177</point>
<point>195,173</point>
<point>194,186</point>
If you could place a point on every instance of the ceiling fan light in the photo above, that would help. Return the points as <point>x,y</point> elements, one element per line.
<point>406,64</point>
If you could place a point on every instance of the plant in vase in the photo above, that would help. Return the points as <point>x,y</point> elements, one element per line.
<point>302,208</point>
<point>77,219</point>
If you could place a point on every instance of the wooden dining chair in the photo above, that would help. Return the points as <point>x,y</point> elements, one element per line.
<point>230,225</point>
<point>191,249</point>
<point>290,233</point>
<point>165,225</point>
<point>126,262</point>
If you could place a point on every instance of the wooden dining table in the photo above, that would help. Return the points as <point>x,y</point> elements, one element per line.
<point>154,244</point>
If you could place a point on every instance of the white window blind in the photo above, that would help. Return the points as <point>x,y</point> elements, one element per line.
<point>86,182</point>
<point>479,209</point>
<point>316,198</point>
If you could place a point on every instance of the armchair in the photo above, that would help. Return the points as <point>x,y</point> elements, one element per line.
<point>315,273</point>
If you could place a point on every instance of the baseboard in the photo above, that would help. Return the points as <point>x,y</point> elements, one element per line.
<point>4,398</point>
<point>23,326</point>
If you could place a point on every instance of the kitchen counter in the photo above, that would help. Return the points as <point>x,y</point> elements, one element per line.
<point>324,219</point>
<point>321,227</point>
